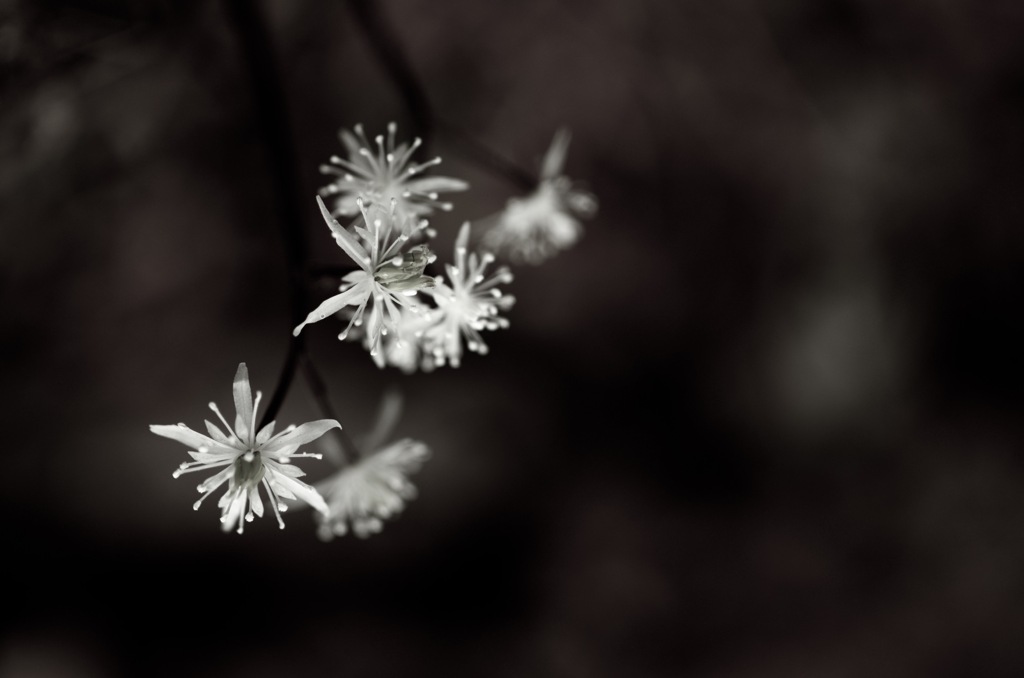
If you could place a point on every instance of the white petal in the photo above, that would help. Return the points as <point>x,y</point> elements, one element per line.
<point>216,433</point>
<point>300,435</point>
<point>554,160</point>
<point>243,402</point>
<point>183,434</point>
<point>301,490</point>
<point>436,185</point>
<point>265,434</point>
<point>346,241</point>
<point>353,296</point>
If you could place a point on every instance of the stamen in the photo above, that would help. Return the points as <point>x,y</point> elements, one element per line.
<point>216,410</point>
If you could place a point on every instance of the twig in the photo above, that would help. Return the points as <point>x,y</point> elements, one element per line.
<point>349,452</point>
<point>268,100</point>
<point>385,45</point>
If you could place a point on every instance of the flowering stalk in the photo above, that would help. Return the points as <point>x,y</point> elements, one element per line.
<point>269,108</point>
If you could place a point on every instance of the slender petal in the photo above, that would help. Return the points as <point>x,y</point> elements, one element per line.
<point>352,296</point>
<point>301,491</point>
<point>436,185</point>
<point>243,402</point>
<point>344,239</point>
<point>187,436</point>
<point>554,159</point>
<point>300,435</point>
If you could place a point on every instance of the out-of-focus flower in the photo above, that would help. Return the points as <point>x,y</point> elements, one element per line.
<point>387,278</point>
<point>384,175</point>
<point>469,305</point>
<point>537,226</point>
<point>362,496</point>
<point>402,346</point>
<point>248,459</point>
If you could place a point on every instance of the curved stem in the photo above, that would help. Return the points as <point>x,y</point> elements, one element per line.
<point>488,159</point>
<point>385,45</point>
<point>272,119</point>
<point>272,116</point>
<point>349,452</point>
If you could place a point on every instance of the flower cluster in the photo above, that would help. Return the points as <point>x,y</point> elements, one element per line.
<point>403,315</point>
<point>397,326</point>
<point>387,277</point>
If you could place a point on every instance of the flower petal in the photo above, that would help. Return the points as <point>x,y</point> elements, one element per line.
<point>183,434</point>
<point>345,240</point>
<point>290,470</point>
<point>353,296</point>
<point>554,160</point>
<point>265,434</point>
<point>243,402</point>
<point>436,185</point>
<point>216,433</point>
<point>301,491</point>
<point>300,435</point>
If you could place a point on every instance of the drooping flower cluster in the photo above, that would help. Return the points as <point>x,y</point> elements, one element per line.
<point>362,496</point>
<point>387,278</point>
<point>533,228</point>
<point>402,315</point>
<point>248,459</point>
<point>380,298</point>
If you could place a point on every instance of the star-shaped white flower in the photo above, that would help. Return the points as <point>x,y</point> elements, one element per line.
<point>384,175</point>
<point>402,347</point>
<point>537,226</point>
<point>468,306</point>
<point>362,496</point>
<point>387,278</point>
<point>248,460</point>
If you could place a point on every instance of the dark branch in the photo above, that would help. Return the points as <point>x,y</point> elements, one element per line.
<point>385,44</point>
<point>350,453</point>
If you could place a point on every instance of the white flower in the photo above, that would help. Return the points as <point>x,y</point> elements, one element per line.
<point>362,496</point>
<point>387,278</point>
<point>537,226</point>
<point>385,175</point>
<point>249,459</point>
<point>402,347</point>
<point>471,304</point>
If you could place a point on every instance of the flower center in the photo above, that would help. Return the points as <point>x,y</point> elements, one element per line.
<point>249,469</point>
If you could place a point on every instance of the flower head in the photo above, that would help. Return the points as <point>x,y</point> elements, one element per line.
<point>248,459</point>
<point>362,496</point>
<point>403,346</point>
<point>467,306</point>
<point>537,226</point>
<point>387,278</point>
<point>384,175</point>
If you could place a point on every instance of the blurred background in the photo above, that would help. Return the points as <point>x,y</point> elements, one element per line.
<point>762,421</point>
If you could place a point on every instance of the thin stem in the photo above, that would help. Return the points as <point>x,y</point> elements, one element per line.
<point>349,452</point>
<point>385,44</point>
<point>488,159</point>
<point>272,116</point>
<point>296,349</point>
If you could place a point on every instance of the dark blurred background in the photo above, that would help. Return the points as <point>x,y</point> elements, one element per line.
<point>762,421</point>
